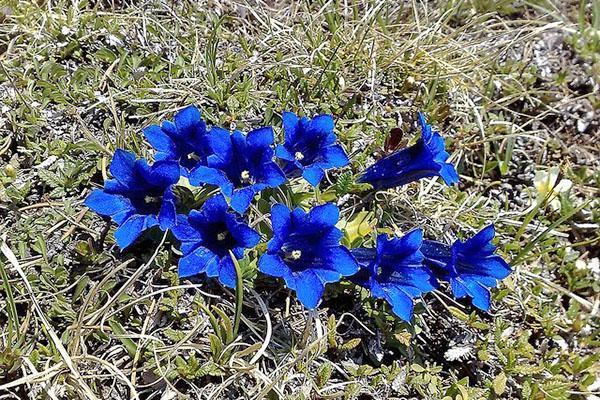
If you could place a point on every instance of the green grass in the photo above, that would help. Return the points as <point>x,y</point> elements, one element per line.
<point>79,319</point>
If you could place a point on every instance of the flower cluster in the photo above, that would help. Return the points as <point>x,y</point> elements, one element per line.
<point>304,244</point>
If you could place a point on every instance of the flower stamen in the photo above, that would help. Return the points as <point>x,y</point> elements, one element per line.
<point>299,156</point>
<point>151,199</point>
<point>296,254</point>
<point>193,156</point>
<point>245,176</point>
<point>221,236</point>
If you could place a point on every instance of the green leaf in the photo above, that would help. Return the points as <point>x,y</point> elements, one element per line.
<point>129,344</point>
<point>458,313</point>
<point>323,374</point>
<point>11,309</point>
<point>350,344</point>
<point>331,331</point>
<point>360,226</point>
<point>499,383</point>
<point>417,368</point>
<point>216,345</point>
<point>50,178</point>
<point>80,288</point>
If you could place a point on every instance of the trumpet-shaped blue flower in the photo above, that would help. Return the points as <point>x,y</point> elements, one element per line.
<point>394,271</point>
<point>424,159</point>
<point>241,165</point>
<point>305,251</point>
<point>471,266</point>
<point>310,147</point>
<point>184,140</point>
<point>206,238</point>
<point>140,196</point>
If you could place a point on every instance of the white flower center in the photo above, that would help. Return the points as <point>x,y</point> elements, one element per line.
<point>150,199</point>
<point>296,254</point>
<point>221,236</point>
<point>193,156</point>
<point>299,156</point>
<point>245,176</point>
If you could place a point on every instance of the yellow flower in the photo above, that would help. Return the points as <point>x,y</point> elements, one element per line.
<point>547,188</point>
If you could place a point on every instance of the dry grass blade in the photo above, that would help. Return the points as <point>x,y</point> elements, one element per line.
<point>47,326</point>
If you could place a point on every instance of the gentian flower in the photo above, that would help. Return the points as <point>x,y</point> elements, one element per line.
<point>140,196</point>
<point>184,140</point>
<point>310,147</point>
<point>394,271</point>
<point>305,251</point>
<point>424,159</point>
<point>241,165</point>
<point>471,266</point>
<point>207,236</point>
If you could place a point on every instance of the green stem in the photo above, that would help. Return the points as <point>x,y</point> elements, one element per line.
<point>11,309</point>
<point>239,295</point>
<point>317,194</point>
<point>308,328</point>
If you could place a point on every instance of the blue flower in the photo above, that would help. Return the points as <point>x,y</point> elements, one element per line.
<point>394,271</point>
<point>424,159</point>
<point>471,266</point>
<point>241,165</point>
<point>184,140</point>
<point>305,251</point>
<point>206,238</point>
<point>310,147</point>
<point>140,196</point>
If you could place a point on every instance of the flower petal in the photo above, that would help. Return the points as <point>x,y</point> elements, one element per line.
<point>364,256</point>
<point>335,157</point>
<point>240,146</point>
<point>107,204</point>
<point>211,176</point>
<point>322,124</point>
<point>449,174</point>
<point>480,295</point>
<point>212,210</point>
<point>402,304</point>
<point>309,289</point>
<point>243,234</point>
<point>220,143</point>
<point>273,176</point>
<point>313,175</point>
<point>187,118</point>
<point>327,276</point>
<point>131,229</point>
<point>341,261</point>
<point>261,137</point>
<point>159,140</point>
<point>271,264</point>
<point>167,214</point>
<point>184,231</point>
<point>458,288</point>
<point>162,173</point>
<point>281,220</point>
<point>123,216</point>
<point>121,167</point>
<point>290,125</point>
<point>493,266</point>
<point>283,153</point>
<point>404,250</point>
<point>198,261</point>
<point>227,272</point>
<point>482,240</point>
<point>241,199</point>
<point>325,215</point>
